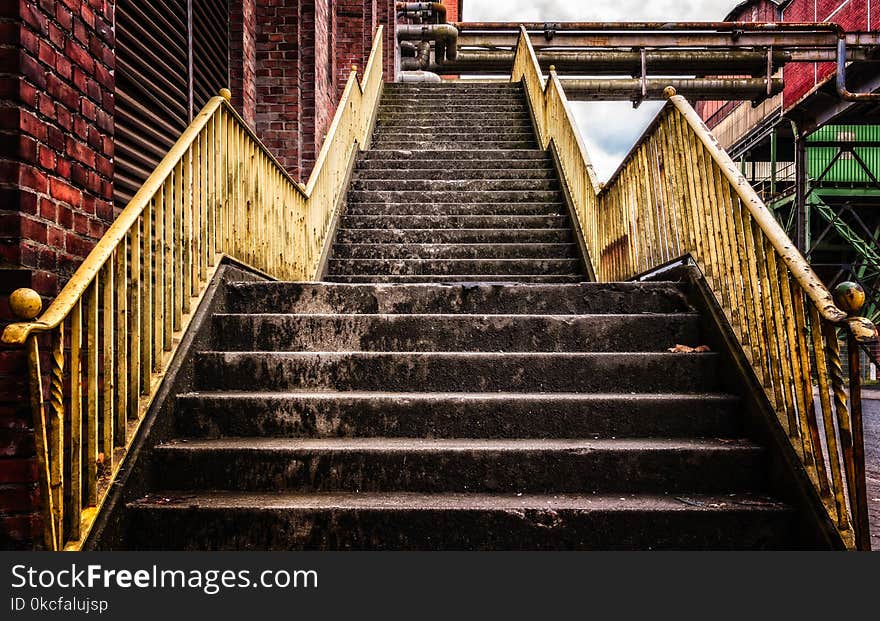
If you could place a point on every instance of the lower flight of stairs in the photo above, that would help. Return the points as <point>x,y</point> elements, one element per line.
<point>461,416</point>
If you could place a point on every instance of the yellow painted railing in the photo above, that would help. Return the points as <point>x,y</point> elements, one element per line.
<point>678,195</point>
<point>113,329</point>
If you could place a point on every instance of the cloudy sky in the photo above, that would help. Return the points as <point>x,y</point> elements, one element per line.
<point>609,129</point>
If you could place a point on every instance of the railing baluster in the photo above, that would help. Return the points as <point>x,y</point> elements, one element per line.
<point>146,302</point>
<point>166,256</point>
<point>76,401</point>
<point>91,444</point>
<point>134,324</point>
<point>56,433</point>
<point>120,372</point>
<point>817,456</point>
<point>157,257</point>
<point>108,376</point>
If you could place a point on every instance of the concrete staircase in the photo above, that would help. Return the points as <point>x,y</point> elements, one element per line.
<point>389,411</point>
<point>455,188</point>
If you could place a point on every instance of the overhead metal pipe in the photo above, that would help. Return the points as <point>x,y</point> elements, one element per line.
<point>418,76</point>
<point>634,89</point>
<point>418,9</point>
<point>615,62</point>
<point>842,91</point>
<point>444,36</point>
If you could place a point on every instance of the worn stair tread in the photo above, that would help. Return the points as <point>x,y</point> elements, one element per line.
<point>500,397</point>
<point>509,298</point>
<point>480,265</point>
<point>171,500</point>
<point>455,332</point>
<point>465,445</point>
<point>366,250</point>
<point>457,278</point>
<point>467,371</point>
<point>303,413</point>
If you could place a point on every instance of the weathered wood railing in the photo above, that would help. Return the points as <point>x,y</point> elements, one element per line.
<point>113,328</point>
<point>678,194</point>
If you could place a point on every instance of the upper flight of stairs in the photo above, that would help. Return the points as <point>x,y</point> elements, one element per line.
<point>455,188</point>
<point>426,401</point>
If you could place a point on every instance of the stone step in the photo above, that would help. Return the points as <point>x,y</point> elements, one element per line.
<point>460,371</point>
<point>456,209</point>
<point>451,222</point>
<point>443,132</point>
<point>585,298</point>
<point>472,279</point>
<point>453,119</point>
<point>169,520</point>
<point>412,165</point>
<point>453,174</point>
<point>463,86</point>
<point>455,236</point>
<point>419,145</point>
<point>455,415</point>
<point>484,267</point>
<point>455,332</point>
<point>530,465</point>
<point>463,106</point>
<point>461,156</point>
<point>456,185</point>
<point>453,251</point>
<point>455,196</point>
<point>439,103</point>
<point>403,123</point>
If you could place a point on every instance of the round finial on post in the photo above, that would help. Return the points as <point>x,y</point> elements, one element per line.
<point>849,296</point>
<point>552,68</point>
<point>669,91</point>
<point>25,304</point>
<point>226,94</point>
<point>354,68</point>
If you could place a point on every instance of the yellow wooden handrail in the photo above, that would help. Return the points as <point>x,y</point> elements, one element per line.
<point>678,195</point>
<point>115,325</point>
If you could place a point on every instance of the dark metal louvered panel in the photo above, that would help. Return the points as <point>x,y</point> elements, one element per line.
<point>155,94</point>
<point>210,49</point>
<point>151,88</point>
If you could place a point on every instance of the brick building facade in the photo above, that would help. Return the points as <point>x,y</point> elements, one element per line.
<point>800,78</point>
<point>287,64</point>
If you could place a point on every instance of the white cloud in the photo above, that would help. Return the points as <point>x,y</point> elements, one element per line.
<point>609,128</point>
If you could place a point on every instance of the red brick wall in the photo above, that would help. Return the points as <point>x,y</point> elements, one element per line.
<point>56,170</point>
<point>385,15</point>
<point>323,82</point>
<point>277,79</point>
<point>801,78</point>
<point>243,58</point>
<point>303,54</point>
<point>452,10</point>
<point>355,21</point>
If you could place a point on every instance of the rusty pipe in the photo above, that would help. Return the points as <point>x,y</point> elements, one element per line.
<point>416,8</point>
<point>651,26</point>
<point>408,49</point>
<point>842,91</point>
<point>615,62</point>
<point>634,89</point>
<point>444,36</point>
